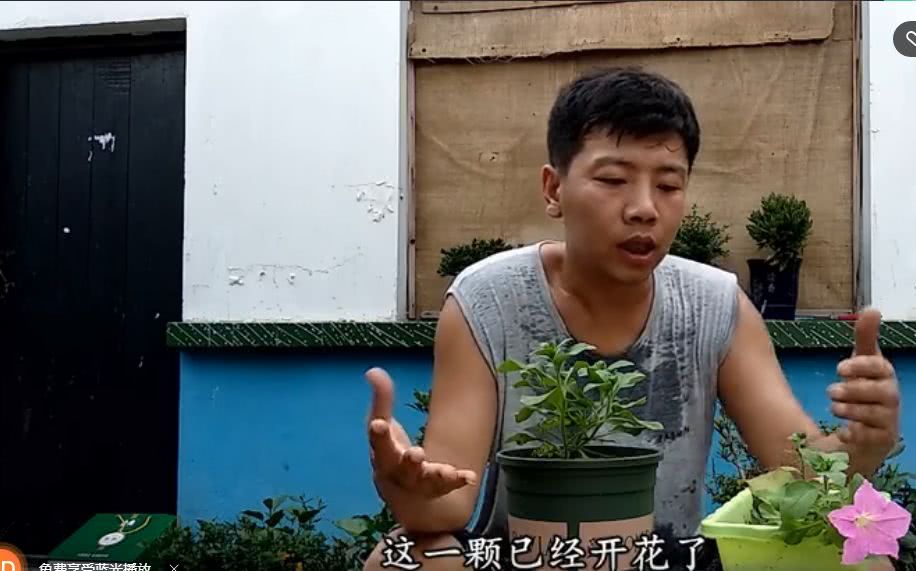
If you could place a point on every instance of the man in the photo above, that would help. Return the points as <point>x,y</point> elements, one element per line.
<point>622,145</point>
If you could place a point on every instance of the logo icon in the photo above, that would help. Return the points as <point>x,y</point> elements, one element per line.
<point>11,559</point>
<point>905,39</point>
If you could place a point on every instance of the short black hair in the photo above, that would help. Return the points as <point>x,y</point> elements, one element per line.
<point>623,101</point>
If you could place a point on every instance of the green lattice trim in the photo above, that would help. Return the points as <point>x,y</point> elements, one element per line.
<point>802,334</point>
<point>327,335</point>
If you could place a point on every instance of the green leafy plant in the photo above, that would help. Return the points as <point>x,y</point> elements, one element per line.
<point>781,225</point>
<point>455,259</point>
<point>365,532</point>
<point>699,238</point>
<point>798,501</point>
<point>579,403</point>
<point>732,449</point>
<point>284,537</point>
<point>889,479</point>
<point>420,404</point>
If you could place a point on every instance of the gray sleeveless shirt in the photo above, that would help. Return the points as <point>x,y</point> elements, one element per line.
<point>508,305</point>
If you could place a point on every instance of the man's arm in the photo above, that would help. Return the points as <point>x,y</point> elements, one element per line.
<point>422,485</point>
<point>758,398</point>
<point>756,395</point>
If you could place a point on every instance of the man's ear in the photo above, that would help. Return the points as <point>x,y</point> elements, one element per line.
<point>550,187</point>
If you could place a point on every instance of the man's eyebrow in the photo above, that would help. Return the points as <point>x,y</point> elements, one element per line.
<point>616,161</point>
<point>675,168</point>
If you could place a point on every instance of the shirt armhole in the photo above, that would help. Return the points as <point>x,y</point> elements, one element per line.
<point>730,321</point>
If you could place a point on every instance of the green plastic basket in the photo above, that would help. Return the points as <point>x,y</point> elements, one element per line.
<point>745,547</point>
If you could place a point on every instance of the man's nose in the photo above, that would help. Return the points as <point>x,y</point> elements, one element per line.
<point>641,208</point>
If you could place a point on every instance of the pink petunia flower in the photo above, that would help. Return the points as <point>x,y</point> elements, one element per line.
<point>871,525</point>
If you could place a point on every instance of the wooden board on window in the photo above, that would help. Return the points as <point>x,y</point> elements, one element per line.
<point>467,6</point>
<point>628,25</point>
<point>775,118</point>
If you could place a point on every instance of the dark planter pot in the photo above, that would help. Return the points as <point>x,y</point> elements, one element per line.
<point>599,498</point>
<point>774,292</point>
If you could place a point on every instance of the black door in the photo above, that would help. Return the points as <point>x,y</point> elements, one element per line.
<point>91,224</point>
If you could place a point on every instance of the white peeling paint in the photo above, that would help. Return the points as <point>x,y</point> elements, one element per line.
<point>104,140</point>
<point>890,187</point>
<point>379,198</point>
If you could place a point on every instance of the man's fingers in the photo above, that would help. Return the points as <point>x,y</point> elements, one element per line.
<point>410,467</point>
<point>385,452</point>
<point>866,366</point>
<point>874,415</point>
<point>857,434</point>
<point>382,394</point>
<point>865,391</point>
<point>867,327</point>
<point>468,477</point>
<point>441,479</point>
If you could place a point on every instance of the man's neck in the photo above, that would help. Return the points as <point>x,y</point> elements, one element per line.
<point>595,291</point>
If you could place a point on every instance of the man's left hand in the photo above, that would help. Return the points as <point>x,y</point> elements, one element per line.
<point>869,398</point>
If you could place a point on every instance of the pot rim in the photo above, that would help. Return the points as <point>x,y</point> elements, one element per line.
<point>633,456</point>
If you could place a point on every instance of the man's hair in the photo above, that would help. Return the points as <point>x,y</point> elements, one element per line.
<point>619,101</point>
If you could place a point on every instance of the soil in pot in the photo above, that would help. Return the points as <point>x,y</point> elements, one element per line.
<point>591,499</point>
<point>774,292</point>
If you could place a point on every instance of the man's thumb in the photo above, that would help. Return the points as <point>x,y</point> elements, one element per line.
<point>868,326</point>
<point>382,394</point>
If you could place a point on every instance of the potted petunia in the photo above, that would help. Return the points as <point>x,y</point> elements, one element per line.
<point>813,518</point>
<point>565,476</point>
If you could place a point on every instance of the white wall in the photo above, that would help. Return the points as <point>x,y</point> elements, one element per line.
<point>889,202</point>
<point>293,162</point>
<point>294,182</point>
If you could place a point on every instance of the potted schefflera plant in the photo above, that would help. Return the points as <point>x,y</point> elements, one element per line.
<point>782,225</point>
<point>565,478</point>
<point>814,518</point>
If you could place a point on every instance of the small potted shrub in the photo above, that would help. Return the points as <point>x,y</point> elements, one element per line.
<point>813,518</point>
<point>564,475</point>
<point>782,226</point>
<point>455,259</point>
<point>701,239</point>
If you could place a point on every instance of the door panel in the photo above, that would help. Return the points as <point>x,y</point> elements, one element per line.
<point>91,219</point>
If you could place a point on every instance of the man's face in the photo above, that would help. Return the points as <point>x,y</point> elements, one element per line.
<point>621,202</point>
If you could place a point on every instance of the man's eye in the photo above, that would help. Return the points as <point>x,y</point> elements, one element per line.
<point>612,181</point>
<point>668,187</point>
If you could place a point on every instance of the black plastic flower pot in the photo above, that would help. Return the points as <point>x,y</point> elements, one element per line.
<point>590,499</point>
<point>774,292</point>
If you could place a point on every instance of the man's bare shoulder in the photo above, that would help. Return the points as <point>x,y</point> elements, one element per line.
<point>500,265</point>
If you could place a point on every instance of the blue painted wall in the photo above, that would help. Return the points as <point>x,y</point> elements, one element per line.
<point>256,425</point>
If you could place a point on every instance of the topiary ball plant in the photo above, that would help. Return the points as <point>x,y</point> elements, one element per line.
<point>455,259</point>
<point>782,225</point>
<point>701,239</point>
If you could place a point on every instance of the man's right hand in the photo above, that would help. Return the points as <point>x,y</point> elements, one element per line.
<point>401,470</point>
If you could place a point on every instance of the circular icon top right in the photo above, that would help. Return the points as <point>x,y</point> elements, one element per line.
<point>905,39</point>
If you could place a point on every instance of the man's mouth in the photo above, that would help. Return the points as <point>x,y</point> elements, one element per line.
<point>638,246</point>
